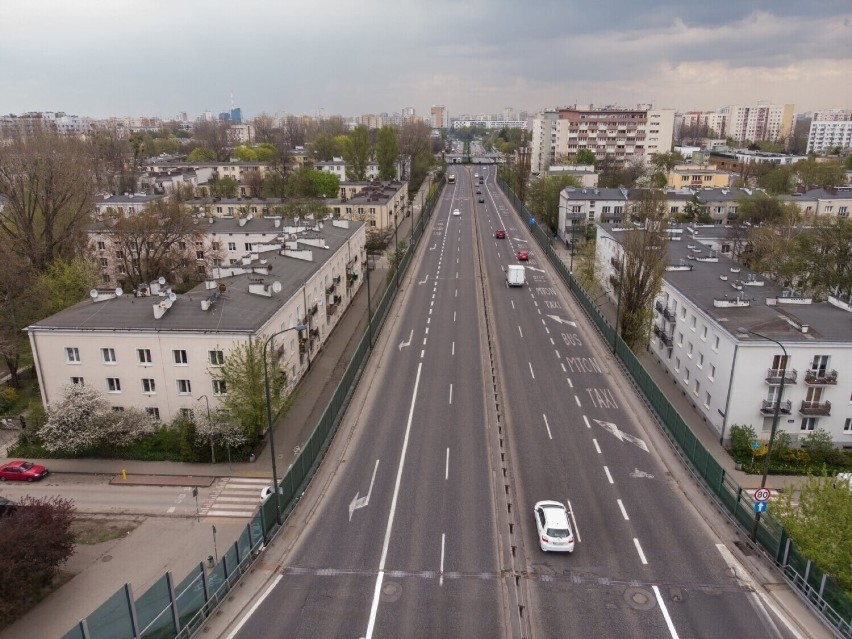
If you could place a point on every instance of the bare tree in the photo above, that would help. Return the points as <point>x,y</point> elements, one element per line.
<point>295,130</point>
<point>216,137</point>
<point>264,128</point>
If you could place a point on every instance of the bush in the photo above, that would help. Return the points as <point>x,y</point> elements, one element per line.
<point>8,396</point>
<point>741,439</point>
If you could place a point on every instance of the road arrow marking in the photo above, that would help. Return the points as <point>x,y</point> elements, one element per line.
<point>432,248</point>
<point>533,268</point>
<point>641,474</point>
<point>408,343</point>
<point>621,435</point>
<point>562,321</point>
<point>360,502</point>
<point>426,279</point>
<point>519,239</point>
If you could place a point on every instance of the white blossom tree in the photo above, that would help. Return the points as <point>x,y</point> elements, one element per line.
<point>218,427</point>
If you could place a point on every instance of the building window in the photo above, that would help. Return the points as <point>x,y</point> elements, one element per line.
<point>704,334</point>
<point>700,360</point>
<point>180,357</point>
<point>104,262</point>
<point>113,385</point>
<point>707,399</point>
<point>101,246</point>
<point>680,339</point>
<point>148,385</point>
<point>677,364</point>
<point>108,355</point>
<point>689,350</point>
<point>712,374</point>
<point>809,423</point>
<point>716,343</point>
<point>847,425</point>
<point>692,323</point>
<point>118,409</point>
<point>186,413</point>
<point>184,387</point>
<point>79,380</point>
<point>219,387</point>
<point>683,313</point>
<point>697,387</point>
<point>153,412</point>
<point>232,246</point>
<point>143,355</point>
<point>248,246</point>
<point>686,375</point>
<point>72,355</point>
<point>217,358</point>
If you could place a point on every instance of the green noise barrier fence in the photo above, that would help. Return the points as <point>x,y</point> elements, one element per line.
<point>824,596</point>
<point>169,610</point>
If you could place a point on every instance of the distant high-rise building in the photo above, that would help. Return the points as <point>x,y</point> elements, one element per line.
<point>439,118</point>
<point>225,116</point>
<point>760,122</point>
<point>509,113</point>
<point>237,115</point>
<point>830,131</point>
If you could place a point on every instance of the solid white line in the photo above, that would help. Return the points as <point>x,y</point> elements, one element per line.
<point>547,426</point>
<point>447,467</point>
<point>249,480</point>
<point>665,611</point>
<point>256,605</point>
<point>577,399</point>
<point>531,370</point>
<point>451,393</point>
<point>623,511</point>
<point>443,539</point>
<point>380,577</point>
<point>454,316</point>
<point>574,519</point>
<point>520,331</point>
<point>597,448</point>
<point>608,476</point>
<point>230,513</point>
<point>639,550</point>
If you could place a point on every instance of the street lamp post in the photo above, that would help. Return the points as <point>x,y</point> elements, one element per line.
<point>298,327</point>
<point>776,413</point>
<point>210,426</point>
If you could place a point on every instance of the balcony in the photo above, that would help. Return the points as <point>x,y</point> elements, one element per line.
<point>821,377</point>
<point>767,407</point>
<point>658,306</point>
<point>669,315</point>
<point>615,262</point>
<point>815,408</point>
<point>773,376</point>
<point>329,290</point>
<point>615,282</point>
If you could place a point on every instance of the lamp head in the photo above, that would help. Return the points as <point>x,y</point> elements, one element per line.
<point>743,331</point>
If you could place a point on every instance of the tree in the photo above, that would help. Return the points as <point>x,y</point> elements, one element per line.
<point>324,184</point>
<point>812,174</point>
<point>243,374</point>
<point>356,153</point>
<point>217,426</point>
<point>665,162</point>
<point>759,208</point>
<point>225,187</point>
<point>21,303</point>
<point>325,147</point>
<point>695,211</point>
<point>414,140</point>
<point>387,152</point>
<point>274,185</point>
<point>37,539</point>
<point>585,156</point>
<point>200,154</point>
<point>157,241</point>
<point>543,197</point>
<point>777,181</point>
<point>823,258</point>
<point>265,152</point>
<point>614,174</point>
<point>772,246</point>
<point>48,182</point>
<point>245,154</point>
<point>819,521</point>
<point>847,163</point>
<point>214,136</point>
<point>645,253</point>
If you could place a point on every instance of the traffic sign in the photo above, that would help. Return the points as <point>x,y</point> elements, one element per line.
<point>762,494</point>
<point>755,445</point>
<point>760,506</point>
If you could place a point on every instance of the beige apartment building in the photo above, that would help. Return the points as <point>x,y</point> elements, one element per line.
<point>698,176</point>
<point>381,205</point>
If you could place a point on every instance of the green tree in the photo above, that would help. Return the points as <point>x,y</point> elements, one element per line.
<point>299,183</point>
<point>696,211</point>
<point>266,152</point>
<point>813,174</point>
<point>847,163</point>
<point>243,374</point>
<point>585,156</point>
<point>325,147</point>
<point>759,208</point>
<point>356,152</point>
<point>324,184</point>
<point>543,197</point>
<point>387,151</point>
<point>818,519</point>
<point>200,154</point>
<point>823,257</point>
<point>225,187</point>
<point>274,185</point>
<point>245,154</point>
<point>665,162</point>
<point>777,181</point>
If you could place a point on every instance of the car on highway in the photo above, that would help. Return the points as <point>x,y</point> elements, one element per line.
<point>456,212</point>
<point>500,234</point>
<point>523,255</point>
<point>554,528</point>
<point>478,191</point>
<point>481,200</point>
<point>22,471</point>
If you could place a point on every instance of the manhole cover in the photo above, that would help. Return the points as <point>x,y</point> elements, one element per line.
<point>106,558</point>
<point>639,598</point>
<point>391,591</point>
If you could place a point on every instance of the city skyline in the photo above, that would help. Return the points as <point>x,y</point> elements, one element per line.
<point>102,59</point>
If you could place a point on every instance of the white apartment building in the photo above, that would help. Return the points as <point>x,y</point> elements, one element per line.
<point>125,204</point>
<point>543,145</point>
<point>826,135</point>
<point>733,378</point>
<point>579,207</point>
<point>490,124</point>
<point>715,121</point>
<point>833,202</point>
<point>158,351</point>
<point>760,122</point>
<point>338,167</point>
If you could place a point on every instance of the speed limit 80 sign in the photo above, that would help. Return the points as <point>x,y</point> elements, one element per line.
<point>762,494</point>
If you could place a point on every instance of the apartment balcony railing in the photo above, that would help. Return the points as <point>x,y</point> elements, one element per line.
<point>767,407</point>
<point>821,377</point>
<point>773,376</point>
<point>615,281</point>
<point>616,263</point>
<point>659,306</point>
<point>815,408</point>
<point>669,315</point>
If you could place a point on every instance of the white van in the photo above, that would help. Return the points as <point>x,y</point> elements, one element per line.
<point>516,275</point>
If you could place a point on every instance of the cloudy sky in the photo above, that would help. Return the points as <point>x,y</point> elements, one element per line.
<point>161,57</point>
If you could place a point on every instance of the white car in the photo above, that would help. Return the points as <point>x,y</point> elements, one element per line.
<point>554,527</point>
<point>456,212</point>
<point>266,491</point>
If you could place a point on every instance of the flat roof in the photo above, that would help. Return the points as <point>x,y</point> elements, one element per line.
<point>236,310</point>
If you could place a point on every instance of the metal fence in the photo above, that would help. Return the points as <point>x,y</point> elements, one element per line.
<point>824,596</point>
<point>168,610</point>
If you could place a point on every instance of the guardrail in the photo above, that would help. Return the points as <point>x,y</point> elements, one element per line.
<point>168,610</point>
<point>821,594</point>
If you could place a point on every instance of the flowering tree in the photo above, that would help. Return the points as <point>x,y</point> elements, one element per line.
<point>219,428</point>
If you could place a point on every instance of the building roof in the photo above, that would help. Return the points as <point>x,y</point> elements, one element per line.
<point>235,310</point>
<point>127,198</point>
<point>593,193</point>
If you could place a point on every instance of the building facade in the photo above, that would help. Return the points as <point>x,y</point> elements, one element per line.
<point>760,122</point>
<point>439,117</point>
<point>826,136</point>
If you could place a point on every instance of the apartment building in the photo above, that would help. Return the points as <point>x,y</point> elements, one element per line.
<point>381,205</point>
<point>716,122</point>
<point>736,160</point>
<point>463,123</point>
<point>158,351</point>
<point>760,122</point>
<point>698,176</point>
<point>338,167</point>
<point>126,203</point>
<point>832,202</point>
<point>579,207</point>
<point>543,145</point>
<point>734,378</point>
<point>826,136</point>
<point>439,118</point>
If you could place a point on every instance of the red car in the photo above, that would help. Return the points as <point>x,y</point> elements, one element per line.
<point>22,471</point>
<point>500,234</point>
<point>523,255</point>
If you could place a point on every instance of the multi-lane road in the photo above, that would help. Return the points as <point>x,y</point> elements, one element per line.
<point>483,400</point>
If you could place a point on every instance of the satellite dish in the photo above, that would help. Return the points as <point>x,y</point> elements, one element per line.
<point>172,297</point>
<point>276,286</point>
<point>93,293</point>
<point>161,281</point>
<point>119,291</point>
<point>169,302</point>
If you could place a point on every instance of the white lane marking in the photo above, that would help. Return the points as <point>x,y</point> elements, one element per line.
<point>546,330</point>
<point>665,611</point>
<point>531,370</point>
<point>443,539</point>
<point>623,511</point>
<point>520,331</point>
<point>564,370</point>
<point>457,292</point>
<point>427,330</point>
<point>557,352</point>
<point>577,399</point>
<point>361,502</point>
<point>573,519</point>
<point>586,419</point>
<point>570,383</point>
<point>380,577</point>
<point>424,341</point>
<point>447,466</point>
<point>547,426</point>
<point>170,510</point>
<point>535,303</point>
<point>513,304</point>
<point>451,393</point>
<point>422,353</point>
<point>641,554</point>
<point>758,597</point>
<point>453,352</point>
<point>552,343</point>
<point>597,447</point>
<point>454,316</point>
<point>608,476</point>
<point>254,608</point>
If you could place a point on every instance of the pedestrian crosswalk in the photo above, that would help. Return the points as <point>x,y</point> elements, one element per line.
<point>234,497</point>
